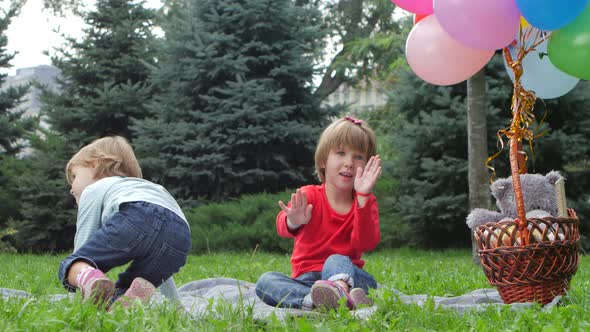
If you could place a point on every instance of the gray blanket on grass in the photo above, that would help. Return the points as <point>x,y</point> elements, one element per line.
<point>200,297</point>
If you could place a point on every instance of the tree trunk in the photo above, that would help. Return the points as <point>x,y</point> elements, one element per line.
<point>479,196</point>
<point>330,82</point>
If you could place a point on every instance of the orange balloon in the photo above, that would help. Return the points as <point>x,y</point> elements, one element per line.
<point>418,17</point>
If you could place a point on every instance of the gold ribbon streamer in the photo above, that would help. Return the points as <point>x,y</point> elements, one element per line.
<point>522,105</point>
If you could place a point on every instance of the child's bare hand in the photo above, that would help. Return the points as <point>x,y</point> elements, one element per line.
<point>299,213</point>
<point>366,178</point>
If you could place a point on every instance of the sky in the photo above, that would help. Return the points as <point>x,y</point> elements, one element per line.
<point>33,32</point>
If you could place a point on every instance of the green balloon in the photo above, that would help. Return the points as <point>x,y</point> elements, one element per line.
<point>569,47</point>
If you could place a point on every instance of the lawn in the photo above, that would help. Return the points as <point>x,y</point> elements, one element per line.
<point>440,273</point>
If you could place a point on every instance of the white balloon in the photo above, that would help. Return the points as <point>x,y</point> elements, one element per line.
<point>540,75</point>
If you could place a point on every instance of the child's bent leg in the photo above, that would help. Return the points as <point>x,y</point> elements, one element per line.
<point>352,281</point>
<point>78,273</point>
<point>140,290</point>
<point>279,290</point>
<point>339,269</point>
<point>75,270</point>
<point>112,245</point>
<point>364,280</point>
<point>70,269</point>
<point>167,241</point>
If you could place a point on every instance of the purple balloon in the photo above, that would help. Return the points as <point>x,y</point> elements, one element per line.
<point>481,24</point>
<point>423,7</point>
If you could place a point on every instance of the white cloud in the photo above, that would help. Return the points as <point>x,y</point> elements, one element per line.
<point>32,32</point>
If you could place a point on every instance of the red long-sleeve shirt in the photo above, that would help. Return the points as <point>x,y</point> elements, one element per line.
<point>329,232</point>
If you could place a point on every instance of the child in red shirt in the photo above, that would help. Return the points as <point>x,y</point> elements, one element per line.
<point>332,224</point>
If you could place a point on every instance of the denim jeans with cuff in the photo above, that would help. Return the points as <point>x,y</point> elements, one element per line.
<point>154,239</point>
<point>279,290</point>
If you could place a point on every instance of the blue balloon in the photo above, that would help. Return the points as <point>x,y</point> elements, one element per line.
<point>540,75</point>
<point>551,14</point>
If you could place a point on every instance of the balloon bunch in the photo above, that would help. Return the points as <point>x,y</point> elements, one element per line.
<point>453,39</point>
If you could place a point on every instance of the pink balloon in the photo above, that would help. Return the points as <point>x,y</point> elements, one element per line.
<point>415,6</point>
<point>483,24</point>
<point>439,59</point>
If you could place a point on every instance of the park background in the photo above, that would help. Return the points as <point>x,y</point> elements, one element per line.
<point>223,101</point>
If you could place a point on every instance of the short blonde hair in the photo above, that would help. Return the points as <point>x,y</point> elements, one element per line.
<point>345,132</point>
<point>112,156</point>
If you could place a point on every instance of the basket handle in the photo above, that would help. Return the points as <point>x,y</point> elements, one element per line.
<point>518,196</point>
<point>560,197</point>
<point>522,104</point>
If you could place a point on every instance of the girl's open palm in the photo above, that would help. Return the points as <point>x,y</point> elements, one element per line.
<point>299,213</point>
<point>366,178</point>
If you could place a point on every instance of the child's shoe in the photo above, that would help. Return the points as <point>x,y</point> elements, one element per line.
<point>140,289</point>
<point>360,298</point>
<point>96,287</point>
<point>327,294</point>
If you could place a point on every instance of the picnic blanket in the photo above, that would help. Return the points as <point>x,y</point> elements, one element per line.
<point>198,297</point>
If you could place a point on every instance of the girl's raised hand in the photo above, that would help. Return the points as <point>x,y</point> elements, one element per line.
<point>299,213</point>
<point>366,178</point>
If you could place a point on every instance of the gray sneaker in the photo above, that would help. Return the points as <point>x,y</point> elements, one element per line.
<point>98,290</point>
<point>140,289</point>
<point>360,298</point>
<point>326,294</point>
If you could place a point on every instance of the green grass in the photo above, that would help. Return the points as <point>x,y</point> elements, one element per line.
<point>445,273</point>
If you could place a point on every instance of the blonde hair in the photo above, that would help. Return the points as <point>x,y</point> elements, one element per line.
<point>345,132</point>
<point>112,156</point>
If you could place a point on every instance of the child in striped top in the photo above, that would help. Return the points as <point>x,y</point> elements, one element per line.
<point>122,219</point>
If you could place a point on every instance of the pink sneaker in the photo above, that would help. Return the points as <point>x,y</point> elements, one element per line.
<point>96,287</point>
<point>327,294</point>
<point>360,298</point>
<point>140,289</point>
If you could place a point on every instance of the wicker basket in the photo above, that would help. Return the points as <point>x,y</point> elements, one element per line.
<point>538,271</point>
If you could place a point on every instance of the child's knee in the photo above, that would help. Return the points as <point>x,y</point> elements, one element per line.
<point>267,278</point>
<point>337,259</point>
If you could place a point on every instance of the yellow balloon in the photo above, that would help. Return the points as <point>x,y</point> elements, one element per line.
<point>524,23</point>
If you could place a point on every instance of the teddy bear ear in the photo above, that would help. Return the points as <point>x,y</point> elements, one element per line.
<point>553,176</point>
<point>500,187</point>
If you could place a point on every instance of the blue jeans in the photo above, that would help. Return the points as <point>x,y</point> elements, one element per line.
<point>154,239</point>
<point>277,289</point>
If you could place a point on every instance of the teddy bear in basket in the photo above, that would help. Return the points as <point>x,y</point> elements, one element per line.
<point>540,200</point>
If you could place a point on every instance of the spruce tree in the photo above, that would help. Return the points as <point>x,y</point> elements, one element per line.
<point>47,216</point>
<point>430,163</point>
<point>236,112</point>
<point>103,83</point>
<point>15,127</point>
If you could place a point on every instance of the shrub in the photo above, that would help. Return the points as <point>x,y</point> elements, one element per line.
<point>249,222</point>
<point>240,224</point>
